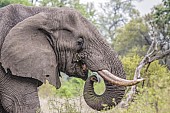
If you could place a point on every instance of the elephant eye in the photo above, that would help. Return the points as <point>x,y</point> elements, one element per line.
<point>80,43</point>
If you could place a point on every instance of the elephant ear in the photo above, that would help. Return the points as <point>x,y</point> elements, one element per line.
<point>28,50</point>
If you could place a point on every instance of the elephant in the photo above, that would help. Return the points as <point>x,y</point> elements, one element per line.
<point>37,43</point>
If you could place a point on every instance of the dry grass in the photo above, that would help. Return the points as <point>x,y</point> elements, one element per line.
<point>64,105</point>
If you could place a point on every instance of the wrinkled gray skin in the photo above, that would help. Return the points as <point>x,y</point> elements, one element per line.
<point>111,96</point>
<point>36,44</point>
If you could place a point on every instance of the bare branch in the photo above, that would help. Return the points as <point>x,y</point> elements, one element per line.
<point>152,54</point>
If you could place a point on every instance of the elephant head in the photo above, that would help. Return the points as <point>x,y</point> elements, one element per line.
<point>61,40</point>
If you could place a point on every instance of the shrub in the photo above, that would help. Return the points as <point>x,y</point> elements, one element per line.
<point>154,96</point>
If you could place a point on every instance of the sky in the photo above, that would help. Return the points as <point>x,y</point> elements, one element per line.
<point>144,7</point>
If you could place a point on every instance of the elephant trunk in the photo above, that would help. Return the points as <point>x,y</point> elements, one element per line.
<point>101,102</point>
<point>115,82</point>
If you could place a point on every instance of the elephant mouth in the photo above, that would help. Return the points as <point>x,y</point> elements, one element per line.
<point>84,68</point>
<point>81,71</point>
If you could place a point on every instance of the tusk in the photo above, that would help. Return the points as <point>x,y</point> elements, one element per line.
<point>106,75</point>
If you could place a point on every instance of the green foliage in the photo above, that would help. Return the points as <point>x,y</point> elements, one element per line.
<point>87,10</point>
<point>151,101</point>
<point>82,8</point>
<point>52,3</point>
<point>130,64</point>
<point>99,88</point>
<point>161,16</point>
<point>114,14</point>
<point>159,19</point>
<point>7,2</point>
<point>154,96</point>
<point>130,38</point>
<point>72,88</point>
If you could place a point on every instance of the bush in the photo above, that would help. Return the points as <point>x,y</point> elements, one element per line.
<point>72,88</point>
<point>153,97</point>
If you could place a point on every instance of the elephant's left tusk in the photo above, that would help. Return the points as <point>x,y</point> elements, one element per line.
<point>106,75</point>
